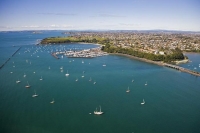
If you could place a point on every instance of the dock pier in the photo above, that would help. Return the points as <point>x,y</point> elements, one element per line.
<point>195,73</point>
<point>54,55</point>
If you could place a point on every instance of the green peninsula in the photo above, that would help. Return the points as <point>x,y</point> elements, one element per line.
<point>154,47</point>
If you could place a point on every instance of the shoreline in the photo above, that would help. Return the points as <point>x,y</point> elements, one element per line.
<point>70,43</point>
<point>140,59</point>
<point>87,43</point>
<point>191,53</point>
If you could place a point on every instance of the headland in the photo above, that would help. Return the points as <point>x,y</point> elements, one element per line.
<point>157,48</point>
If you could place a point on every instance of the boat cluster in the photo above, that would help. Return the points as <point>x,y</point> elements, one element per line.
<point>86,53</point>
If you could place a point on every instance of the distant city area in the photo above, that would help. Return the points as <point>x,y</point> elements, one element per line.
<point>149,42</point>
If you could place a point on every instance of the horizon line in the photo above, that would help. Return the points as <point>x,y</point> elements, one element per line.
<point>98,30</point>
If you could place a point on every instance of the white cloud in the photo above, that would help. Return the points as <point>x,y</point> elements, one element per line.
<point>5,27</point>
<point>54,25</point>
<point>31,26</point>
<point>60,26</point>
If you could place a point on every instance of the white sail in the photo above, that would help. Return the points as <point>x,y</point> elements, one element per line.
<point>98,112</point>
<point>34,95</point>
<point>52,101</point>
<point>143,102</point>
<point>128,90</point>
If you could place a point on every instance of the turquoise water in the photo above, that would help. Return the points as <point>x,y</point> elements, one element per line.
<point>172,97</point>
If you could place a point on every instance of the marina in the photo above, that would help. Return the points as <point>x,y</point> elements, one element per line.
<point>86,53</point>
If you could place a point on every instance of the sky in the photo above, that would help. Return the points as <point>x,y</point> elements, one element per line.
<point>181,15</point>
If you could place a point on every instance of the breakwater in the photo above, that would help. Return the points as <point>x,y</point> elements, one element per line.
<point>10,57</point>
<point>4,63</point>
<point>16,51</point>
<point>195,73</point>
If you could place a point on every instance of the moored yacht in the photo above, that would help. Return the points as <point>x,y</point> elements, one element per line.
<point>52,101</point>
<point>27,86</point>
<point>18,81</point>
<point>143,102</point>
<point>83,75</point>
<point>128,90</point>
<point>34,95</point>
<point>98,112</point>
<point>67,74</point>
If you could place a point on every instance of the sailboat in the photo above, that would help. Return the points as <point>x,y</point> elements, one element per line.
<point>98,112</point>
<point>143,102</point>
<point>27,86</point>
<point>24,75</point>
<point>18,81</point>
<point>67,74</point>
<point>90,79</point>
<point>41,78</point>
<point>52,101</point>
<point>49,67</point>
<point>76,79</point>
<point>94,82</point>
<point>83,75</point>
<point>34,95</point>
<point>104,64</point>
<point>82,61</point>
<point>128,90</point>
<point>132,80</point>
<point>145,83</point>
<point>61,68</point>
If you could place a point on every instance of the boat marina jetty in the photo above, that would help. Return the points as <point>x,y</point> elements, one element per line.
<point>195,73</point>
<point>86,53</point>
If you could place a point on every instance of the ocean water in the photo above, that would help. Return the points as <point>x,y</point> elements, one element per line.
<point>171,97</point>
